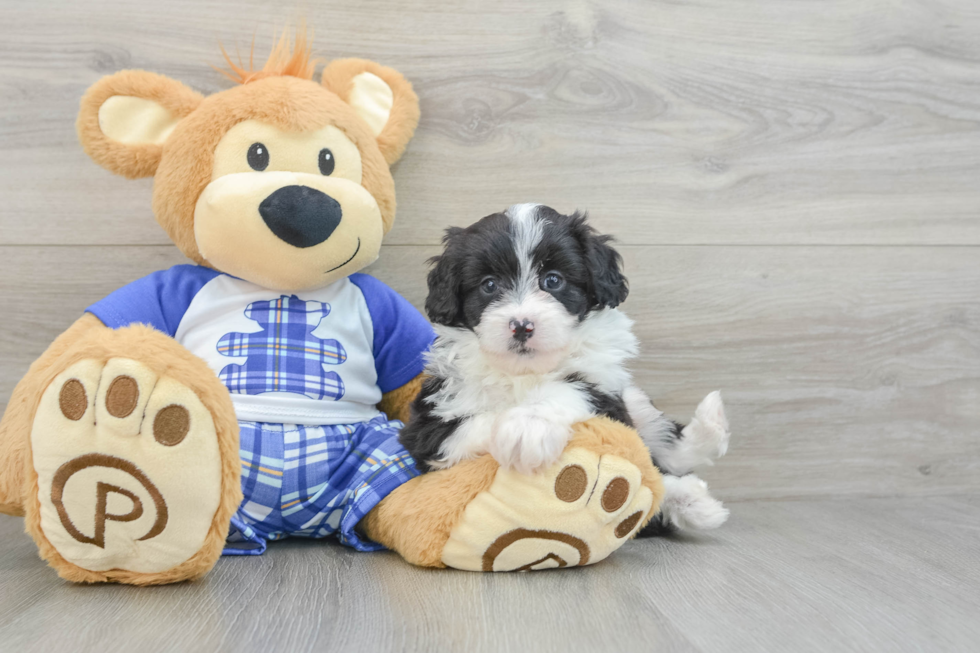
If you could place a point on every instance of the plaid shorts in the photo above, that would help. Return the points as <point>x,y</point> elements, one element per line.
<point>314,481</point>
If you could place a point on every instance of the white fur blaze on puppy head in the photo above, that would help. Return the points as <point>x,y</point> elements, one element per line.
<point>528,231</point>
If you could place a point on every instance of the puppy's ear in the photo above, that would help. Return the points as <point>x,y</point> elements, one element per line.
<point>608,287</point>
<point>126,117</point>
<point>443,305</point>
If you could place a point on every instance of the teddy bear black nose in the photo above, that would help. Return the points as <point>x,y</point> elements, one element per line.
<point>300,215</point>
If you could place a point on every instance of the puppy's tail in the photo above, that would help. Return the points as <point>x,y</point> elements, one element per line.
<point>709,428</point>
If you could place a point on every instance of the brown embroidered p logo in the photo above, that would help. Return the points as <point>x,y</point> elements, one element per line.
<point>102,491</point>
<point>518,534</point>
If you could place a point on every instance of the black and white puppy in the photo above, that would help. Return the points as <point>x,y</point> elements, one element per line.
<point>529,342</point>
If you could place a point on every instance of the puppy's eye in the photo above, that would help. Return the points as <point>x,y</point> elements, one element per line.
<point>552,281</point>
<point>326,161</point>
<point>489,285</point>
<point>258,157</point>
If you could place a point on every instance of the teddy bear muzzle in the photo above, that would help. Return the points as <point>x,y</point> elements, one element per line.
<point>286,230</point>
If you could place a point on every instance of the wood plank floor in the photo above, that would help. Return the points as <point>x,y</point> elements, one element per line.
<point>821,575</point>
<point>796,188</point>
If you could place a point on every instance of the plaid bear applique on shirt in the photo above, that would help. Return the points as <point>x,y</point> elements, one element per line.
<point>285,356</point>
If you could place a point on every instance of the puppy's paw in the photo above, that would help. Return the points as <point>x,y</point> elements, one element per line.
<point>527,442</point>
<point>708,433</point>
<point>688,504</point>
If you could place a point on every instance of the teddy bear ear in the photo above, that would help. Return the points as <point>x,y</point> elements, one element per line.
<point>126,117</point>
<point>382,97</point>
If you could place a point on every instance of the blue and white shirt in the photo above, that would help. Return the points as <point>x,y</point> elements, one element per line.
<point>317,357</point>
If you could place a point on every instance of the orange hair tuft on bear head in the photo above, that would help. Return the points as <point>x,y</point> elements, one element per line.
<point>286,59</point>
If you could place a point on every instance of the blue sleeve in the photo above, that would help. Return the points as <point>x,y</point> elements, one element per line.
<point>401,334</point>
<point>158,300</point>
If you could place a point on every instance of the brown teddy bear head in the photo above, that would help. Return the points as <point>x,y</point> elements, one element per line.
<point>279,180</point>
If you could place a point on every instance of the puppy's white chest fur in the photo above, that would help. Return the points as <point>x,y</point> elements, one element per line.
<point>525,420</point>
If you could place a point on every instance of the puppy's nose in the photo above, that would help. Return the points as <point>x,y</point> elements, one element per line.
<point>300,215</point>
<point>522,329</point>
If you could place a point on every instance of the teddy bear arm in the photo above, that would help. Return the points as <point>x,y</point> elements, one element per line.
<point>15,427</point>
<point>397,403</point>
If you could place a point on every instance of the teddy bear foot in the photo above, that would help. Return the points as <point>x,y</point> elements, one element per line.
<point>478,516</point>
<point>128,476</point>
<point>574,514</point>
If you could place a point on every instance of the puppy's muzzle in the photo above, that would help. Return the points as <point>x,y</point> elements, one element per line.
<point>521,329</point>
<point>300,215</point>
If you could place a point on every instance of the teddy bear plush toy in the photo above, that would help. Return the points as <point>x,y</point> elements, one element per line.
<point>252,395</point>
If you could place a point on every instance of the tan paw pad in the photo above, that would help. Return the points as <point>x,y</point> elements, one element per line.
<point>576,513</point>
<point>129,473</point>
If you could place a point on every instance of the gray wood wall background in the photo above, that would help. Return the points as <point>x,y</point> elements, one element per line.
<point>795,186</point>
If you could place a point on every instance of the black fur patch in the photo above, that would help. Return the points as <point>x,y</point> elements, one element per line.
<point>483,249</point>
<point>657,527</point>
<point>678,431</point>
<point>609,405</point>
<point>574,248</point>
<point>425,432</point>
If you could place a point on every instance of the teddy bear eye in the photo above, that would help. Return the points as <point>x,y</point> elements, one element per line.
<point>326,161</point>
<point>258,157</point>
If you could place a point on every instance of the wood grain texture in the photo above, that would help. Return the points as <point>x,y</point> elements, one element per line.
<point>693,121</point>
<point>863,575</point>
<point>846,370</point>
